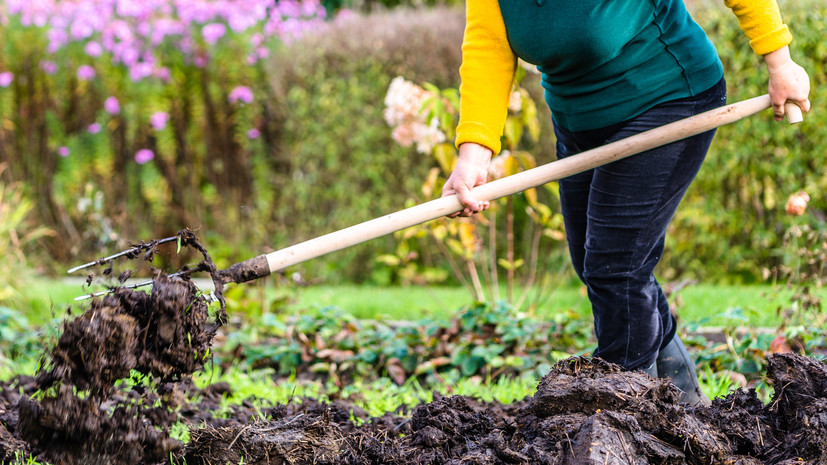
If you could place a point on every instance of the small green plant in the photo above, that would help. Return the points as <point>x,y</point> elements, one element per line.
<point>715,384</point>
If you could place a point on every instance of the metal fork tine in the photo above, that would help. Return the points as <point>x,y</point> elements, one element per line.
<point>128,286</point>
<point>108,259</point>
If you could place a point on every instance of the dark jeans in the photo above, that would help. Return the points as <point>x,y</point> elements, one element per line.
<point>616,217</point>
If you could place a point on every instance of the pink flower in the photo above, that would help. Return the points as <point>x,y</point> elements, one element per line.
<point>138,71</point>
<point>144,155</point>
<point>212,32</point>
<point>57,39</point>
<point>159,120</point>
<point>86,72</point>
<point>162,73</point>
<point>49,67</point>
<point>112,106</point>
<point>144,28</point>
<point>93,49</point>
<point>94,128</point>
<point>63,151</point>
<point>241,94</point>
<point>6,78</point>
<point>253,133</point>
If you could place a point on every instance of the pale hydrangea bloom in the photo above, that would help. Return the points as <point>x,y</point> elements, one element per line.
<point>403,105</point>
<point>403,134</point>
<point>403,101</point>
<point>496,169</point>
<point>515,104</point>
<point>427,136</point>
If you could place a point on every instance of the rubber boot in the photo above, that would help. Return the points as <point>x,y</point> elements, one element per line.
<point>651,371</point>
<point>674,363</point>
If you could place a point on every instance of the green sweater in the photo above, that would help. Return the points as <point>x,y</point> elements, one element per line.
<point>603,62</point>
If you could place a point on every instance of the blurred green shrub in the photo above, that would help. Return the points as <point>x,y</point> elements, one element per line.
<point>342,166</point>
<point>16,236</point>
<point>732,223</point>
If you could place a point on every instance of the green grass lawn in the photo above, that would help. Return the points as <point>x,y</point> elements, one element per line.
<point>713,305</point>
<point>708,304</point>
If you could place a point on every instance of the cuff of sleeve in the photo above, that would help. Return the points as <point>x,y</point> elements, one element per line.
<point>772,41</point>
<point>479,134</point>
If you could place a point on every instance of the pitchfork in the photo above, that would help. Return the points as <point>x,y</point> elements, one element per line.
<point>265,264</point>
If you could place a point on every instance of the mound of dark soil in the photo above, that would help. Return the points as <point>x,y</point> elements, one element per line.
<point>584,412</point>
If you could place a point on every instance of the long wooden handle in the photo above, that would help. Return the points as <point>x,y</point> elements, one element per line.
<point>513,184</point>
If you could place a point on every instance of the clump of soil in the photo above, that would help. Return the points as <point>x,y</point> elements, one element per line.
<point>81,415</point>
<point>81,411</point>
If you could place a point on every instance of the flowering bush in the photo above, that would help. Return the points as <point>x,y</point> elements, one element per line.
<point>404,104</point>
<point>165,96</point>
<point>426,116</point>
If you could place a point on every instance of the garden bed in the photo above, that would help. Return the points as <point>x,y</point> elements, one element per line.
<point>118,381</point>
<point>584,411</point>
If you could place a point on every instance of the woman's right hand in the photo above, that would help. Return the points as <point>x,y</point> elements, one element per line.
<point>788,82</point>
<point>470,171</point>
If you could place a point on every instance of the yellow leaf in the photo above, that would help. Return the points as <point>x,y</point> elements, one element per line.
<point>446,156</point>
<point>530,119</point>
<point>466,236</point>
<point>531,196</point>
<point>512,165</point>
<point>526,159</point>
<point>430,183</point>
<point>387,259</point>
<point>513,132</point>
<point>555,234</point>
<point>439,232</point>
<point>455,246</point>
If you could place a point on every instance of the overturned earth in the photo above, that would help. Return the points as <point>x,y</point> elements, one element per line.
<point>585,411</point>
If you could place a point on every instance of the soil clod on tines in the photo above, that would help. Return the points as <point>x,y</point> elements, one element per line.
<point>118,379</point>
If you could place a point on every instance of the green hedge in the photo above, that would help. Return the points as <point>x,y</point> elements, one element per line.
<point>343,165</point>
<point>733,221</point>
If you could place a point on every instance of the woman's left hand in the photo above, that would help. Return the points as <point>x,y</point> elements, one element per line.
<point>788,82</point>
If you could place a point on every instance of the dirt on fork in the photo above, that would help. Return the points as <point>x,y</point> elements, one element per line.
<point>80,414</point>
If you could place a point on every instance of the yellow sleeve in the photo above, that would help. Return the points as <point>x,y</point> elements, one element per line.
<point>487,75</point>
<point>761,21</point>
